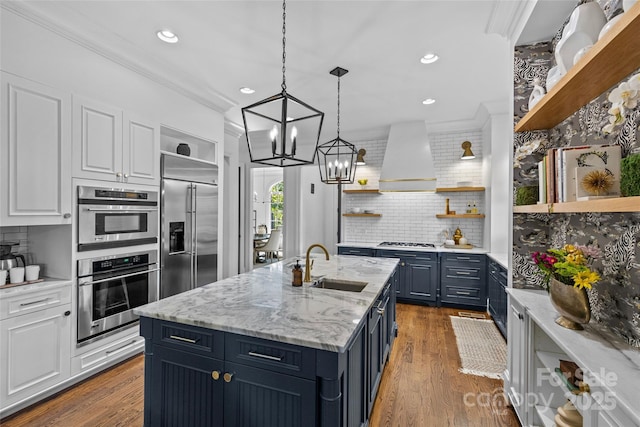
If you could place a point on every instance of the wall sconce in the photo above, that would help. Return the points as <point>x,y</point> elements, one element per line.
<point>360,159</point>
<point>468,154</point>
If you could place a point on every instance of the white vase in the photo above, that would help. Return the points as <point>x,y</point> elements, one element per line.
<point>582,30</point>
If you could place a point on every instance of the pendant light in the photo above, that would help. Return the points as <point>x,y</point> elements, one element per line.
<point>282,130</point>
<point>336,158</point>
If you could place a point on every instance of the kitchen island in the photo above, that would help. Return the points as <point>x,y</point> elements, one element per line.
<point>254,350</point>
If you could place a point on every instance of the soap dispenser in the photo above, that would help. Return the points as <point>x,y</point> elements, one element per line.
<point>297,274</point>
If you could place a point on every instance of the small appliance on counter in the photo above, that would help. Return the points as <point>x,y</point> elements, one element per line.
<point>9,260</point>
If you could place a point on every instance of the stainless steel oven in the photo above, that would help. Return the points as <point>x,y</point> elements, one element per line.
<point>115,217</point>
<point>110,287</point>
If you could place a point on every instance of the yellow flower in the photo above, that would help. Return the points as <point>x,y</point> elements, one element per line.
<point>576,258</point>
<point>569,248</point>
<point>585,279</point>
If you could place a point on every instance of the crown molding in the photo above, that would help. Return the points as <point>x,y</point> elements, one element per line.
<point>175,81</point>
<point>233,129</point>
<point>508,18</point>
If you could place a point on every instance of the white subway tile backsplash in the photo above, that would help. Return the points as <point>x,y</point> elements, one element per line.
<point>411,217</point>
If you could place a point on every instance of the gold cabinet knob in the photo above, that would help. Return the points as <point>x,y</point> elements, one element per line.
<point>227,377</point>
<point>215,375</point>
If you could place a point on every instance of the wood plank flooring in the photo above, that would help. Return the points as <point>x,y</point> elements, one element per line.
<point>421,386</point>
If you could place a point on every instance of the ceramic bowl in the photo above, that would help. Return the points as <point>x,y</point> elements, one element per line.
<point>355,210</point>
<point>583,29</point>
<point>608,26</point>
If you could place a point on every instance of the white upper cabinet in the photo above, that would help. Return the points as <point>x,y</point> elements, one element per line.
<point>35,176</point>
<point>113,145</point>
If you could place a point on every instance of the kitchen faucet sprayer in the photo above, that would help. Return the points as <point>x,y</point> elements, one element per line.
<point>307,265</point>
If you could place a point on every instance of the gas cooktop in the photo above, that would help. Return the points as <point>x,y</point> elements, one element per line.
<point>410,244</point>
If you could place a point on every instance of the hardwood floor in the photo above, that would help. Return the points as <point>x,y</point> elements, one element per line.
<point>421,386</point>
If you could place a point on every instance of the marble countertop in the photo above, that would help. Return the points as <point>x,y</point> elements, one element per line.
<point>262,303</point>
<point>375,245</point>
<point>500,258</point>
<point>595,350</point>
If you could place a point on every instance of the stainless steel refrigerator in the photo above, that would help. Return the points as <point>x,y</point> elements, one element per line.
<point>189,224</point>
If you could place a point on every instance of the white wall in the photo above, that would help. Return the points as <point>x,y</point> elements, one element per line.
<point>411,217</point>
<point>263,179</point>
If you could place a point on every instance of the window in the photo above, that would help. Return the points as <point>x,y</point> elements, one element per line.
<point>277,204</point>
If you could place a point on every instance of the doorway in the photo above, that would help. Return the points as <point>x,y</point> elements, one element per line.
<point>267,214</point>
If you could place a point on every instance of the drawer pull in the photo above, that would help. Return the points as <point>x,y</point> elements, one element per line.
<point>464,273</point>
<point>265,356</point>
<point>463,258</point>
<point>25,304</point>
<point>189,340</point>
<point>463,293</point>
<point>108,352</point>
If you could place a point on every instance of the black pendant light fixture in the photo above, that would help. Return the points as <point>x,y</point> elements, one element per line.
<point>282,130</point>
<point>336,158</point>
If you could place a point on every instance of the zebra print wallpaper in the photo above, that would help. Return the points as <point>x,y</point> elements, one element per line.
<point>615,299</point>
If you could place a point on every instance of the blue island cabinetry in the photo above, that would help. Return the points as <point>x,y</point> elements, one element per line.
<point>196,376</point>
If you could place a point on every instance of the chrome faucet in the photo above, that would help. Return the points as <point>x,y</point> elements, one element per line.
<point>307,265</point>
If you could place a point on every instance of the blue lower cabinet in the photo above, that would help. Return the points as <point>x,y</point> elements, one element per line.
<point>352,250</point>
<point>255,397</point>
<point>463,280</point>
<point>496,287</point>
<point>196,376</point>
<point>417,275</point>
<point>180,390</point>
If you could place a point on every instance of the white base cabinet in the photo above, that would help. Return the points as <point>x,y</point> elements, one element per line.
<point>35,148</point>
<point>608,394</point>
<point>113,145</point>
<point>35,332</point>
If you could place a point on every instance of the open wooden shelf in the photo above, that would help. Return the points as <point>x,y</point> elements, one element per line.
<point>365,191</point>
<point>609,61</point>
<point>361,214</point>
<point>620,204</point>
<point>460,216</point>
<point>457,189</point>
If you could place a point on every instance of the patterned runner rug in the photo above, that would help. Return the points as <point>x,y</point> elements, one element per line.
<point>482,349</point>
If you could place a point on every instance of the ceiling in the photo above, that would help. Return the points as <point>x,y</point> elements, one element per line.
<point>225,45</point>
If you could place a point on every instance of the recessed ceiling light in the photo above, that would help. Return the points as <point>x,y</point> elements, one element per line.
<point>429,58</point>
<point>167,36</point>
<point>428,101</point>
<point>246,90</point>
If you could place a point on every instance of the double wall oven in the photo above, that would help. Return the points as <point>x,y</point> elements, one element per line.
<point>112,283</point>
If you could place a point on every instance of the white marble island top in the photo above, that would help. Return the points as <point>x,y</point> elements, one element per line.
<point>262,303</point>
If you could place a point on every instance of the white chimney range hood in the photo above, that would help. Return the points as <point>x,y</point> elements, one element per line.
<point>408,164</point>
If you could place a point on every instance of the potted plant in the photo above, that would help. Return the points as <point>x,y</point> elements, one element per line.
<point>630,175</point>
<point>567,276</point>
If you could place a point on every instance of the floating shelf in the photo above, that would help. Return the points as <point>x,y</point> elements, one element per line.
<point>361,214</point>
<point>460,216</point>
<point>365,191</point>
<point>610,60</point>
<point>457,189</point>
<point>619,204</point>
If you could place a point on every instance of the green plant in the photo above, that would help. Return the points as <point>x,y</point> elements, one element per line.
<point>527,195</point>
<point>569,265</point>
<point>630,175</point>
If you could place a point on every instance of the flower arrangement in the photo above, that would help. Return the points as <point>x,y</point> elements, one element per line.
<point>624,97</point>
<point>569,265</point>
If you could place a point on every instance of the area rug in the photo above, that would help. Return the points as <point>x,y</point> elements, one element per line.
<point>482,349</point>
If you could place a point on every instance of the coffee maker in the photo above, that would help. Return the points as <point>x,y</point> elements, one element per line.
<point>7,259</point>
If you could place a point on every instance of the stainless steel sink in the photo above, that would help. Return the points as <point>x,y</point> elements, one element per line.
<point>340,285</point>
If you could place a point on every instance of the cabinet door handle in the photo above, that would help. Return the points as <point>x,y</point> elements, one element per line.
<point>126,175</point>
<point>25,304</point>
<point>265,356</point>
<point>227,377</point>
<point>67,313</point>
<point>66,216</point>
<point>517,313</point>
<point>119,174</point>
<point>215,375</point>
<point>179,338</point>
<point>402,264</point>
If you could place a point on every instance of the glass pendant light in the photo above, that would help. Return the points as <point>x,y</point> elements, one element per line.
<point>282,130</point>
<point>336,158</point>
